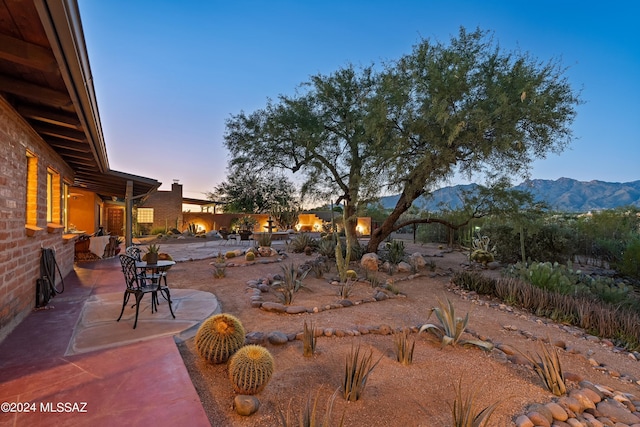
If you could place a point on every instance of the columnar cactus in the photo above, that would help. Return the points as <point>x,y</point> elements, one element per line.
<point>250,369</point>
<point>219,337</point>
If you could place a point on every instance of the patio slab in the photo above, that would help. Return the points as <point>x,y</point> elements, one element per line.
<point>97,327</point>
<point>74,352</point>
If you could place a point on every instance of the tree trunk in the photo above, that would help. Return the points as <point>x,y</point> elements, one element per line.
<point>379,234</point>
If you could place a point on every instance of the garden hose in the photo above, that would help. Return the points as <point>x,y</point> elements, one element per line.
<point>48,266</point>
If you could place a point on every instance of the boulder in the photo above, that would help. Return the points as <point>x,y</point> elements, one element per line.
<point>417,260</point>
<point>370,261</point>
<point>246,405</point>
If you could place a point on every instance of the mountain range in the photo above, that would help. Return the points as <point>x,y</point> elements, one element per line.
<point>563,194</point>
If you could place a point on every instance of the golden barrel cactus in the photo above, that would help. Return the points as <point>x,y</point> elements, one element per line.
<point>219,337</point>
<point>250,369</point>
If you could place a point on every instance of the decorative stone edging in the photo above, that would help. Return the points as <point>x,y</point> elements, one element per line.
<point>591,405</point>
<point>255,289</point>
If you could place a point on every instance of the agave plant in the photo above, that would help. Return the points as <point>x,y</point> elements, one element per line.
<point>451,327</point>
<point>290,283</point>
<point>548,367</point>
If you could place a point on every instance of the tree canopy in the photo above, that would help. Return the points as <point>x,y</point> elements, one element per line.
<point>465,107</point>
<point>255,193</point>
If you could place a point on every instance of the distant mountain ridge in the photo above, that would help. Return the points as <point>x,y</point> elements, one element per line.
<point>563,194</point>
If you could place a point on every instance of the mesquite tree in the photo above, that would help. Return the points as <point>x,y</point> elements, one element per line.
<point>465,107</point>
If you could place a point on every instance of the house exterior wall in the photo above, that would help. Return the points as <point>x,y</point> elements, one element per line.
<point>83,206</point>
<point>167,208</point>
<point>20,247</point>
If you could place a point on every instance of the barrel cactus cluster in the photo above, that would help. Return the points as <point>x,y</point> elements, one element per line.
<point>219,337</point>
<point>250,369</point>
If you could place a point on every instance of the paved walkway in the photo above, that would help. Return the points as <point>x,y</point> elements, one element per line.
<point>76,366</point>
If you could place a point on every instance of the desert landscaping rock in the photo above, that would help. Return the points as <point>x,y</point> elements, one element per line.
<point>617,412</point>
<point>277,338</point>
<point>296,309</point>
<point>246,405</point>
<point>370,261</point>
<point>275,307</point>
<point>388,381</point>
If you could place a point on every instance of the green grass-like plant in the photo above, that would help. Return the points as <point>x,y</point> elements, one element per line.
<point>309,339</point>
<point>547,366</point>
<point>356,373</point>
<point>404,350</point>
<point>451,328</point>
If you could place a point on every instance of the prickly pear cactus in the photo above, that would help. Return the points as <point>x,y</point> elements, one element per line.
<point>219,337</point>
<point>250,369</point>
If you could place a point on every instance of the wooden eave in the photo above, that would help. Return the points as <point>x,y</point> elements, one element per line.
<point>46,77</point>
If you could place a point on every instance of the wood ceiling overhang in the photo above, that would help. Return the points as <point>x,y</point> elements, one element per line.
<point>45,75</point>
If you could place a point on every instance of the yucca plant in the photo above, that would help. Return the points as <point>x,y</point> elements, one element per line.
<point>465,413</point>
<point>356,373</point>
<point>309,339</point>
<point>547,366</point>
<point>404,351</point>
<point>308,415</point>
<point>451,327</point>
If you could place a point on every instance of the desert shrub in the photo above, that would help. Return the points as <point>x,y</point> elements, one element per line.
<point>547,366</point>
<point>464,412</point>
<point>302,241</point>
<point>308,339</point>
<point>546,242</point>
<point>309,414</point>
<point>394,252</point>
<point>474,281</point>
<point>356,373</point>
<point>403,350</point>
<point>327,248</point>
<point>158,230</point>
<point>629,265</point>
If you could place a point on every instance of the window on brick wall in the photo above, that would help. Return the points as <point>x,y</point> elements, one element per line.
<point>65,205</point>
<point>53,196</point>
<point>145,215</point>
<point>31,209</point>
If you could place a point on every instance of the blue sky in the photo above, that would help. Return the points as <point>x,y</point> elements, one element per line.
<point>167,74</point>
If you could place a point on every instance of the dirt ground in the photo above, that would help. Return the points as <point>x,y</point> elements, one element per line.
<point>395,395</point>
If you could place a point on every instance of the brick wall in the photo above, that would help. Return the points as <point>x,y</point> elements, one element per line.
<point>167,207</point>
<point>20,253</point>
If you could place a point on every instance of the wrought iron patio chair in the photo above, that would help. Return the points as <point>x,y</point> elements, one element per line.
<point>137,285</point>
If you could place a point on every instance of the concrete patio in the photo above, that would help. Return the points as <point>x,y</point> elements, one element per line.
<point>75,365</point>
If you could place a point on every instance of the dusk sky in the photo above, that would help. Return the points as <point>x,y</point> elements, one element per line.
<point>167,74</point>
